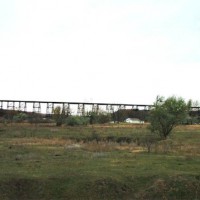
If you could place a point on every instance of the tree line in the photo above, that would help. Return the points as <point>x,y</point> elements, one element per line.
<point>163,117</point>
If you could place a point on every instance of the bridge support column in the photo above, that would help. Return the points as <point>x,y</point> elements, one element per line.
<point>22,106</point>
<point>81,109</point>
<point>122,107</point>
<point>50,108</point>
<point>95,108</point>
<point>66,109</point>
<point>109,108</point>
<point>36,107</point>
<point>10,105</point>
<point>1,105</point>
<point>135,107</point>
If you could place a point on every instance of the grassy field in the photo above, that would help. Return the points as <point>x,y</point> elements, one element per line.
<point>97,162</point>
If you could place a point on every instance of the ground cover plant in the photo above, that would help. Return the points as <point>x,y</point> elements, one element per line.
<point>98,162</point>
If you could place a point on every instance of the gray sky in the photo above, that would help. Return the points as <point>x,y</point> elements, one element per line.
<point>117,51</point>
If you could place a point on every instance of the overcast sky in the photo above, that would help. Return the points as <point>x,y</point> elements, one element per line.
<point>117,51</point>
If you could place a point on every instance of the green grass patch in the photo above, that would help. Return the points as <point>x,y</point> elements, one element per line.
<point>40,162</point>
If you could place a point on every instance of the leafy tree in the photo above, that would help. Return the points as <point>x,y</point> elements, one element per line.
<point>99,118</point>
<point>59,115</point>
<point>120,115</point>
<point>167,114</point>
<point>104,118</point>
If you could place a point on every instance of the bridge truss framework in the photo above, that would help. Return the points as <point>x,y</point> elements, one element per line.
<point>77,108</point>
<point>81,108</point>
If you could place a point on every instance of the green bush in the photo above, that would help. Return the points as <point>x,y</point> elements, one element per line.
<point>77,120</point>
<point>20,117</point>
<point>99,118</point>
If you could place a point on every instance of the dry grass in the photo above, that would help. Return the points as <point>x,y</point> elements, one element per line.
<point>184,128</point>
<point>108,147</point>
<point>120,125</point>
<point>40,141</point>
<point>100,147</point>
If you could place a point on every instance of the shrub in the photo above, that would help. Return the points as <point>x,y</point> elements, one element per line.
<point>77,120</point>
<point>167,114</point>
<point>99,118</point>
<point>20,117</point>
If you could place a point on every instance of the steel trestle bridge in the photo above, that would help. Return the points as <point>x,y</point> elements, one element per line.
<point>81,108</point>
